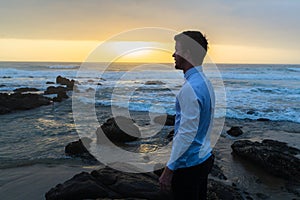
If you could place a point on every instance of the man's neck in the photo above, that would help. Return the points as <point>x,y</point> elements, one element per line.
<point>186,68</point>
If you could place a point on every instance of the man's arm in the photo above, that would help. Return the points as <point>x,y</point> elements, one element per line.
<point>188,127</point>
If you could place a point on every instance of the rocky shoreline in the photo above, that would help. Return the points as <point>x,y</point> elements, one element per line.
<point>249,141</point>
<point>274,157</point>
<point>29,98</point>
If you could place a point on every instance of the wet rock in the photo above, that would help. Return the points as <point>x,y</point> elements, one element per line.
<point>50,82</point>
<point>218,190</point>
<point>119,130</point>
<point>154,83</point>
<point>55,90</point>
<point>59,90</point>
<point>274,156</point>
<point>64,81</point>
<point>79,149</point>
<point>4,110</point>
<point>26,89</point>
<point>235,131</point>
<point>251,112</point>
<point>170,135</point>
<point>18,101</point>
<point>60,97</point>
<point>262,196</point>
<point>108,183</point>
<point>217,172</point>
<point>168,120</point>
<point>263,119</point>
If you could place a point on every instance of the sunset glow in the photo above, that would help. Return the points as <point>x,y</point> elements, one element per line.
<point>237,32</point>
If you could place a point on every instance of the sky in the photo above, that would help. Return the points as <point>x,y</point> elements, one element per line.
<point>244,31</point>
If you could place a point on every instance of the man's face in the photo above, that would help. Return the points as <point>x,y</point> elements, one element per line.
<point>179,61</point>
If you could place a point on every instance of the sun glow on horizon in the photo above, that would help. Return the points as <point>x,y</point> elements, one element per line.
<point>133,51</point>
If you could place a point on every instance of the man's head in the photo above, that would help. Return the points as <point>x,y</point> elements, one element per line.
<point>190,49</point>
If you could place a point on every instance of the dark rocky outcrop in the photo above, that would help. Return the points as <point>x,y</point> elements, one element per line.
<point>119,130</point>
<point>235,131</point>
<point>250,112</point>
<point>154,83</point>
<point>59,90</point>
<point>108,183</point>
<point>55,90</point>
<point>218,190</point>
<point>168,120</point>
<point>274,156</point>
<point>64,81</point>
<point>18,101</point>
<point>263,119</point>
<point>79,149</point>
<point>50,82</point>
<point>217,172</point>
<point>26,89</point>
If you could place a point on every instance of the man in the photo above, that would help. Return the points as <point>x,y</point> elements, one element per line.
<point>191,157</point>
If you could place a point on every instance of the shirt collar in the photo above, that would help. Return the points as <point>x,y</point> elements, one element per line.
<point>192,70</point>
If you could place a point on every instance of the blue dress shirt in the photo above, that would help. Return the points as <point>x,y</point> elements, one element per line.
<point>193,122</point>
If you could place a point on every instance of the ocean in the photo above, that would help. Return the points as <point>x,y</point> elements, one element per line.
<point>39,136</point>
<point>252,90</point>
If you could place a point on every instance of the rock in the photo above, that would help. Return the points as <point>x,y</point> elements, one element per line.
<point>263,119</point>
<point>18,101</point>
<point>50,82</point>
<point>168,120</point>
<point>79,149</point>
<point>235,131</point>
<point>27,89</point>
<point>60,91</point>
<point>217,172</point>
<point>119,130</point>
<point>154,83</point>
<point>2,85</point>
<point>250,112</point>
<point>170,135</point>
<point>55,90</point>
<point>108,183</point>
<point>64,81</point>
<point>4,110</point>
<point>262,196</point>
<point>60,97</point>
<point>218,190</point>
<point>81,186</point>
<point>276,157</point>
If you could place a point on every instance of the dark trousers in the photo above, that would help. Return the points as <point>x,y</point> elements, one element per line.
<point>191,183</point>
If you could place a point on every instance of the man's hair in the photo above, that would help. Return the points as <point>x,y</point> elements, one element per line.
<point>196,43</point>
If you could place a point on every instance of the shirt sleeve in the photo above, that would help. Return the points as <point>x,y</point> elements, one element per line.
<point>188,127</point>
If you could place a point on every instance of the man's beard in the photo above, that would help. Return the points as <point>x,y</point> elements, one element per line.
<point>178,67</point>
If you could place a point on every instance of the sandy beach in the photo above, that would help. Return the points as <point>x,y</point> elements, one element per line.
<point>32,182</point>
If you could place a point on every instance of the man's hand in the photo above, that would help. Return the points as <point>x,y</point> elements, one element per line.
<point>165,179</point>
